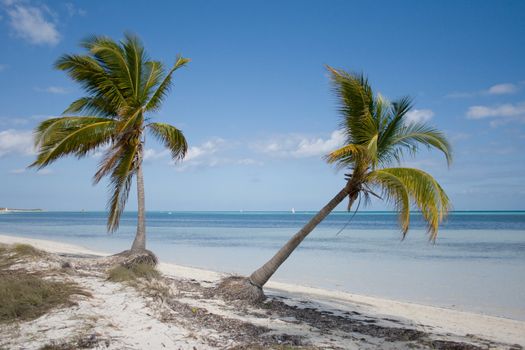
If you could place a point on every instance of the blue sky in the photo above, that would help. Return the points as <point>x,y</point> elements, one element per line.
<point>255,103</point>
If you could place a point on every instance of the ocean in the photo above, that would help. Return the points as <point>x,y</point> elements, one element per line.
<point>477,263</point>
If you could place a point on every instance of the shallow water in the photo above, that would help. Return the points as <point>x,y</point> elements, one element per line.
<point>477,263</point>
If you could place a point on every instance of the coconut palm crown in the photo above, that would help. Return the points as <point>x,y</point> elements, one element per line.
<point>123,85</point>
<point>377,135</point>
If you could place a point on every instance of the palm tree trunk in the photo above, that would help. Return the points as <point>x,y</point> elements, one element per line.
<point>263,274</point>
<point>140,238</point>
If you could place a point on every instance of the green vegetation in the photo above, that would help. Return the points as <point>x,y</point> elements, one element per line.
<point>129,274</point>
<point>10,254</point>
<point>25,295</point>
<point>123,87</point>
<point>26,250</point>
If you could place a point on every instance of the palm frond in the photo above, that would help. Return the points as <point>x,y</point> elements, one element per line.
<point>112,57</point>
<point>71,135</point>
<point>120,183</point>
<point>348,155</point>
<point>172,138</point>
<point>412,136</point>
<point>356,106</point>
<point>395,192</point>
<point>93,77</point>
<point>424,191</point>
<point>163,88</point>
<point>96,106</point>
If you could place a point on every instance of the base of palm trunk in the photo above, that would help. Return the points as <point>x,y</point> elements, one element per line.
<point>130,258</point>
<point>240,288</point>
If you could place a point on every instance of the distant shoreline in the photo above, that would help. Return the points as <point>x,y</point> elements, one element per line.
<point>15,210</point>
<point>518,211</point>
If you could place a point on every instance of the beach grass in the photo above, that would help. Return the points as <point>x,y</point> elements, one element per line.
<point>28,295</point>
<point>136,271</point>
<point>26,250</point>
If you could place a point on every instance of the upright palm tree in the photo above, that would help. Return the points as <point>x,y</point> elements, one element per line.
<point>122,87</point>
<point>377,135</point>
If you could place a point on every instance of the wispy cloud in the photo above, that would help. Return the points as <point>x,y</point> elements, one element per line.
<point>152,154</point>
<point>16,142</point>
<point>17,171</point>
<point>53,90</point>
<point>26,171</point>
<point>212,153</point>
<point>9,121</point>
<point>34,24</point>
<point>502,89</point>
<point>497,89</point>
<point>73,10</point>
<point>419,115</point>
<point>299,146</point>
<point>3,67</point>
<point>500,114</point>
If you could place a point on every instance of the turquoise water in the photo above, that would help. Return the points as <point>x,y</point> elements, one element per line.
<point>477,263</point>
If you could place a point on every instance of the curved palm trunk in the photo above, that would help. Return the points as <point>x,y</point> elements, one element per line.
<point>140,238</point>
<point>263,274</point>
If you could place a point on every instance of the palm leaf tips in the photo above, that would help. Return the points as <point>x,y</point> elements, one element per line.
<point>172,138</point>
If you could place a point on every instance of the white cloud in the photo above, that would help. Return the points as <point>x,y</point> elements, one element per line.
<point>502,89</point>
<point>497,89</point>
<point>152,154</point>
<point>16,142</point>
<point>499,115</point>
<point>504,110</point>
<point>53,90</point>
<point>32,23</point>
<point>418,115</point>
<point>299,146</point>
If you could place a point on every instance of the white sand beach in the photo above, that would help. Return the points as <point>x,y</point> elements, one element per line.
<point>136,322</point>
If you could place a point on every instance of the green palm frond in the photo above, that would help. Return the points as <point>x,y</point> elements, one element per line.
<point>424,191</point>
<point>120,183</point>
<point>356,106</point>
<point>348,155</point>
<point>93,77</point>
<point>96,106</point>
<point>172,138</point>
<point>112,57</point>
<point>71,135</point>
<point>412,136</point>
<point>156,98</point>
<point>395,192</point>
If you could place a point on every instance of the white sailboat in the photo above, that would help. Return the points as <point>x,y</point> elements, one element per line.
<point>293,210</point>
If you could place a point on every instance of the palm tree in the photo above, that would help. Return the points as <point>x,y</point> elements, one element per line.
<point>377,135</point>
<point>122,87</point>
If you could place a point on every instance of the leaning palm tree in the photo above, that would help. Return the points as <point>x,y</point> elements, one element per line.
<point>377,135</point>
<point>122,87</point>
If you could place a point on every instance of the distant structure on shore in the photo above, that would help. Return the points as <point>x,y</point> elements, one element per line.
<point>14,210</point>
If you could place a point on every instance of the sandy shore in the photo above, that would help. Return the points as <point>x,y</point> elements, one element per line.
<point>136,325</point>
